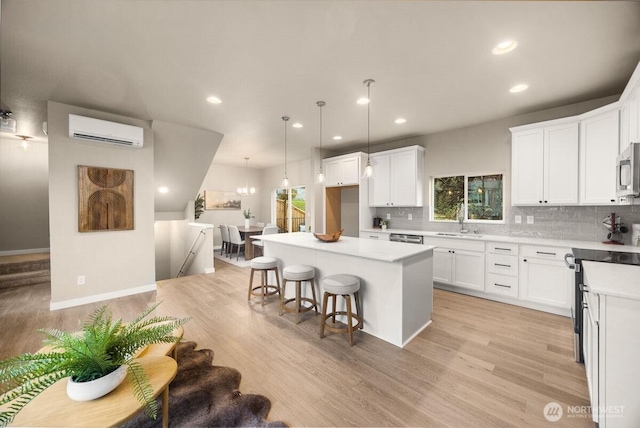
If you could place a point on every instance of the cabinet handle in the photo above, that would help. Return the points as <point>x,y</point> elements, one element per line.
<point>545,202</point>
<point>539,202</point>
<point>613,200</point>
<point>503,249</point>
<point>373,237</point>
<point>524,260</point>
<point>545,253</point>
<point>502,285</point>
<point>503,265</point>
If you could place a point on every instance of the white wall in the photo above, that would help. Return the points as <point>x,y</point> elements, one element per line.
<point>113,263</point>
<point>24,196</point>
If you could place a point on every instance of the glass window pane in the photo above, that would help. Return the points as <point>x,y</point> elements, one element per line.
<point>298,206</point>
<point>448,195</point>
<point>290,208</point>
<point>484,197</point>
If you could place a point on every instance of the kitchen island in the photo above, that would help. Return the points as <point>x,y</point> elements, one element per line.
<point>396,285</point>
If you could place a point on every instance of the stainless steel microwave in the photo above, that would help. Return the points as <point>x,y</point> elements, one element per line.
<point>628,171</point>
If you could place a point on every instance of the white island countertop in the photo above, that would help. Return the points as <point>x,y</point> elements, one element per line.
<point>385,251</point>
<point>612,279</point>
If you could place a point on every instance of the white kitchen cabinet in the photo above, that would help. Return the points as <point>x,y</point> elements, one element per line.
<point>398,178</point>
<point>501,269</point>
<point>380,236</point>
<point>545,163</point>
<point>630,119</point>
<point>342,171</point>
<point>544,277</point>
<point>458,262</point>
<point>599,144</point>
<point>611,343</point>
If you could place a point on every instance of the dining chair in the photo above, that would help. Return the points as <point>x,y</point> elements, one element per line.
<point>269,230</point>
<point>235,241</point>
<point>224,231</point>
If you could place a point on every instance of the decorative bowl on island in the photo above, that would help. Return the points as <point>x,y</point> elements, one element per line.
<point>329,237</point>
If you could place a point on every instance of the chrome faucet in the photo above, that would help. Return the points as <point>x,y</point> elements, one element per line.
<point>461,216</point>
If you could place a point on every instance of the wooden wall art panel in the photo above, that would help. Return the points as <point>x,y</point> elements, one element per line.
<point>105,199</point>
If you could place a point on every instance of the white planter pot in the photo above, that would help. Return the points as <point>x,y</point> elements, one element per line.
<point>247,222</point>
<point>384,226</point>
<point>86,391</point>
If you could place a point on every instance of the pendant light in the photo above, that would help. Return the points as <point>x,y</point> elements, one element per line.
<point>368,169</point>
<point>285,180</point>
<point>320,176</point>
<point>24,145</point>
<point>246,190</point>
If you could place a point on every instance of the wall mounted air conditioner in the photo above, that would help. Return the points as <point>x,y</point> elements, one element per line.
<point>102,131</point>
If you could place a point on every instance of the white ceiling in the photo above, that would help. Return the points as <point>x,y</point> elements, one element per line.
<point>432,62</point>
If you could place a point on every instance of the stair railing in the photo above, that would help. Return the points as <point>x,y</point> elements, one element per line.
<point>190,254</point>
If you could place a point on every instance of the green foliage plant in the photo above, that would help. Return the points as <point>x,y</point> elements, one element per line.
<point>98,349</point>
<point>247,214</point>
<point>198,206</point>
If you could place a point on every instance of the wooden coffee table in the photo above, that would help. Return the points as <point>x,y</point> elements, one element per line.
<point>53,408</point>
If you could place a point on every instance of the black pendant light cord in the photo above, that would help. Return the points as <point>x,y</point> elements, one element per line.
<point>368,122</point>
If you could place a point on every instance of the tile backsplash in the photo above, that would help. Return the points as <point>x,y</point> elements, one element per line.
<point>565,223</point>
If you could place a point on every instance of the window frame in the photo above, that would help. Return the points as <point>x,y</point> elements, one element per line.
<point>466,197</point>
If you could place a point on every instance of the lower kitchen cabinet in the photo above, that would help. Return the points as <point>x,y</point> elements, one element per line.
<point>459,267</point>
<point>611,347</point>
<point>544,277</point>
<point>380,236</point>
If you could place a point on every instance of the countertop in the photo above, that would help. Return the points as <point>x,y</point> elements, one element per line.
<point>612,279</point>
<point>587,245</point>
<point>385,251</point>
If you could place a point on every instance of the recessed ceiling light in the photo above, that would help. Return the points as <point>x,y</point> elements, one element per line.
<point>400,120</point>
<point>297,125</point>
<point>519,88</point>
<point>337,137</point>
<point>163,189</point>
<point>214,100</point>
<point>363,101</point>
<point>504,47</point>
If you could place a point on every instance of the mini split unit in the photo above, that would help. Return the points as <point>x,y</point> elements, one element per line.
<point>102,131</point>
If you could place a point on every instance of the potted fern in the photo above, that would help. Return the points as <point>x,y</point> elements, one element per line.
<point>100,350</point>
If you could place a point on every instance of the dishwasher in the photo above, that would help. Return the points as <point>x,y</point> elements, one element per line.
<point>401,237</point>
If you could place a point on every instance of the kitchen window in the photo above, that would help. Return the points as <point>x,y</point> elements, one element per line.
<point>468,197</point>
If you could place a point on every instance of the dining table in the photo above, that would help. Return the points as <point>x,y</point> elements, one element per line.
<point>245,233</point>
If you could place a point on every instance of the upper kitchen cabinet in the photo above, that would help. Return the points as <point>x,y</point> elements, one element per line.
<point>398,178</point>
<point>342,170</point>
<point>630,120</point>
<point>544,161</point>
<point>630,112</point>
<point>599,143</point>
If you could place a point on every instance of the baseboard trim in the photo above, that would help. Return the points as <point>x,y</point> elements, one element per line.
<point>210,270</point>
<point>54,306</point>
<point>29,251</point>
<point>413,336</point>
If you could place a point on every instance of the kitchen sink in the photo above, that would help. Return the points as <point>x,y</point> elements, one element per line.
<point>460,235</point>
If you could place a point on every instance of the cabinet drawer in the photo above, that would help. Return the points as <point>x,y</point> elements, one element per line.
<point>502,248</point>
<point>548,253</point>
<point>455,243</point>
<point>501,284</point>
<point>374,235</point>
<point>502,264</point>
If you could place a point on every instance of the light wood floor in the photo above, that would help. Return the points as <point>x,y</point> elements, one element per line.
<point>480,363</point>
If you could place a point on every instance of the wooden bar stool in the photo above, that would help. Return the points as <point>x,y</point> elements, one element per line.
<point>264,265</point>
<point>341,285</point>
<point>298,273</point>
